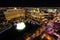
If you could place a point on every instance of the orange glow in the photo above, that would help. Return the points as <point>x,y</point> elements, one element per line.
<point>47,36</point>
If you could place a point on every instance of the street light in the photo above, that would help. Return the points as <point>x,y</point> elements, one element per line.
<point>15,8</point>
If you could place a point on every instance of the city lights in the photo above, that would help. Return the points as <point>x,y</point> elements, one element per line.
<point>20,26</point>
<point>15,8</point>
<point>51,10</point>
<point>30,23</point>
<point>42,17</point>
